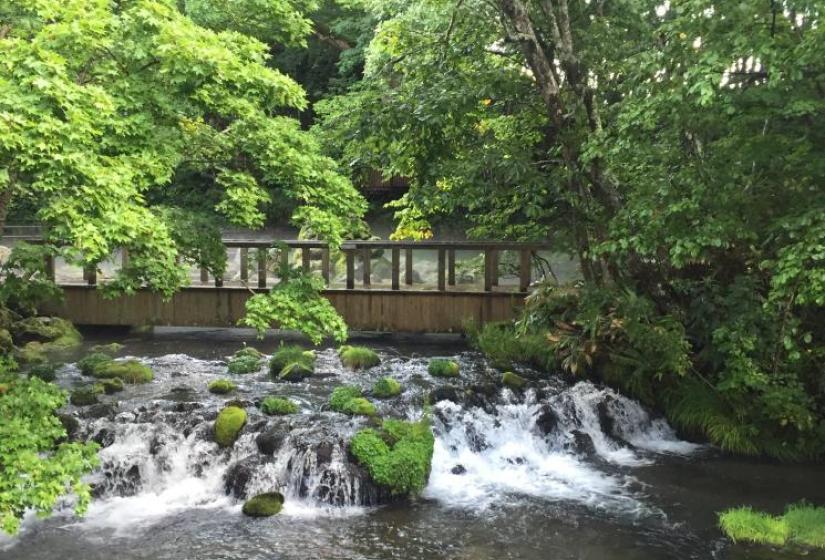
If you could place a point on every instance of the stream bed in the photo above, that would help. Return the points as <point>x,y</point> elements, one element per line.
<point>557,471</point>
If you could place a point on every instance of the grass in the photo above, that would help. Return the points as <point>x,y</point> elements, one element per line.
<point>278,406</point>
<point>349,400</point>
<point>439,367</point>
<point>358,357</point>
<point>801,524</point>
<point>292,363</point>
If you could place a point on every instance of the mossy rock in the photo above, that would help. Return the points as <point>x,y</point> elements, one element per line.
<point>228,425</point>
<point>386,388</point>
<point>358,357</point>
<point>443,368</point>
<point>130,371</point>
<point>88,363</point>
<point>243,364</point>
<point>44,371</point>
<point>85,396</point>
<point>110,349</point>
<point>397,456</point>
<point>349,400</point>
<point>278,406</point>
<point>112,386</point>
<point>56,333</point>
<point>221,387</point>
<point>292,363</point>
<point>513,380</point>
<point>264,505</point>
<point>248,351</point>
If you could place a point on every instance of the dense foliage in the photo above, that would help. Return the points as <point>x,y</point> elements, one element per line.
<point>802,524</point>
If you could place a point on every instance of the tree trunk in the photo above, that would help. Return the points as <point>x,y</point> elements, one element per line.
<point>5,202</point>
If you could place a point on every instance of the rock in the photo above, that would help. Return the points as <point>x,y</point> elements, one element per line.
<point>443,368</point>
<point>71,425</point>
<point>228,425</point>
<point>475,439</point>
<point>292,363</point>
<point>112,386</point>
<point>581,443</point>
<point>358,357</point>
<point>445,393</point>
<point>238,475</point>
<point>323,452</point>
<point>130,371</point>
<point>88,363</point>
<point>513,381</point>
<point>386,388</point>
<point>85,396</point>
<point>606,421</point>
<point>54,332</point>
<point>546,420</point>
<point>100,410</point>
<point>270,441</point>
<point>221,387</point>
<point>482,395</point>
<point>264,505</point>
<point>458,469</point>
<point>104,437</point>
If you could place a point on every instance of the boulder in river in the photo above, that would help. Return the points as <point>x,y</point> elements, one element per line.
<point>292,363</point>
<point>443,368</point>
<point>270,440</point>
<point>358,357</point>
<point>228,425</point>
<point>264,505</point>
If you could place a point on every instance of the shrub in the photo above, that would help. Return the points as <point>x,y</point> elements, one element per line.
<point>221,386</point>
<point>443,368</point>
<point>130,371</point>
<point>228,425</point>
<point>386,388</point>
<point>398,456</point>
<point>88,364</point>
<point>278,406</point>
<point>263,505</point>
<point>292,363</point>
<point>358,357</point>
<point>349,400</point>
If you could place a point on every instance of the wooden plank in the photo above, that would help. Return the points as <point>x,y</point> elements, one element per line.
<point>408,267</point>
<point>263,256</point>
<point>366,258</point>
<point>244,263</point>
<point>451,267</point>
<point>524,269</point>
<point>325,265</point>
<point>305,259</point>
<point>442,273</point>
<point>396,265</point>
<point>350,255</point>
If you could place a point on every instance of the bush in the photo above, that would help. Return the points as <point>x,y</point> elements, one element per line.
<point>130,371</point>
<point>221,386</point>
<point>349,400</point>
<point>292,363</point>
<point>228,425</point>
<point>88,364</point>
<point>386,388</point>
<point>443,368</point>
<point>263,505</point>
<point>278,406</point>
<point>398,456</point>
<point>358,357</point>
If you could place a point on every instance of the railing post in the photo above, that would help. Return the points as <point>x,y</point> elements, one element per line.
<point>284,260</point>
<point>496,256</point>
<point>488,269</point>
<point>408,267</point>
<point>524,269</point>
<point>366,253</point>
<point>204,275</point>
<point>244,264</point>
<point>263,255</point>
<point>451,267</point>
<point>396,266</point>
<point>124,257</point>
<point>442,258</point>
<point>219,281</point>
<point>90,271</point>
<point>305,259</point>
<point>350,255</point>
<point>325,265</point>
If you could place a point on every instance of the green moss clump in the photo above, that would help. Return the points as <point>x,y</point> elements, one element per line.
<point>88,364</point>
<point>44,371</point>
<point>801,525</point>
<point>58,333</point>
<point>292,363</point>
<point>278,406</point>
<point>358,357</point>
<point>130,371</point>
<point>264,505</point>
<point>248,351</point>
<point>109,349</point>
<point>386,388</point>
<point>85,396</point>
<point>228,425</point>
<point>439,367</point>
<point>349,400</point>
<point>112,386</point>
<point>513,380</point>
<point>243,363</point>
<point>398,456</point>
<point>221,386</point>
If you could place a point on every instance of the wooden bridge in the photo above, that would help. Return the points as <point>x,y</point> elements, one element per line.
<point>401,286</point>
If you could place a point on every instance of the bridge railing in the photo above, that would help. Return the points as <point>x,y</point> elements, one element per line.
<point>486,266</point>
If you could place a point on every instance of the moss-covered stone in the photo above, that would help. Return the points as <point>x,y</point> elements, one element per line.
<point>32,353</point>
<point>130,371</point>
<point>228,425</point>
<point>110,349</point>
<point>292,363</point>
<point>243,364</point>
<point>88,363</point>
<point>248,351</point>
<point>112,386</point>
<point>358,357</point>
<point>264,505</point>
<point>386,388</point>
<point>439,367</point>
<point>221,387</point>
<point>513,380</point>
<point>398,456</point>
<point>85,396</point>
<point>278,406</point>
<point>44,371</point>
<point>59,333</point>
<point>349,400</point>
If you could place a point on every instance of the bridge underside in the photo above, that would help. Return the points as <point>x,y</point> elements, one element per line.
<point>363,310</point>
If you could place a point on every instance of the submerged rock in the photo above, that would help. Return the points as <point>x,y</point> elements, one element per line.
<point>547,420</point>
<point>239,474</point>
<point>445,393</point>
<point>264,505</point>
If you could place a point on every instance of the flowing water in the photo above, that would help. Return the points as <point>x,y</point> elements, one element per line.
<point>559,470</point>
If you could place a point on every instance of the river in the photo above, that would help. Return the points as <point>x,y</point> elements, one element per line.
<point>561,470</point>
